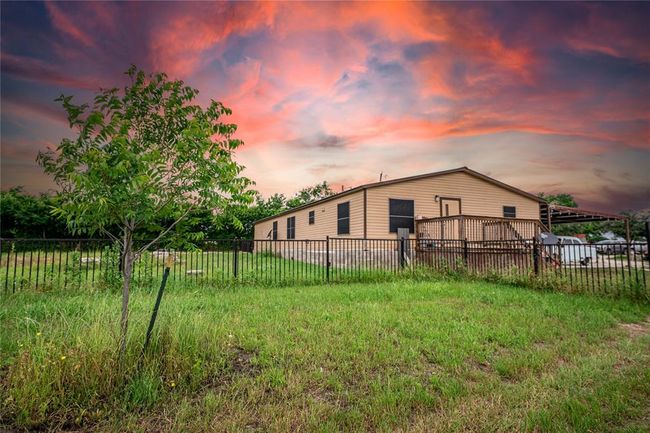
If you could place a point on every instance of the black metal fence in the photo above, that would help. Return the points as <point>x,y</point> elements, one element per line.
<point>612,268</point>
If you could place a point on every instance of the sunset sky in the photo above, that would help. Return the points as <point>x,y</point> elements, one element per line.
<point>546,97</point>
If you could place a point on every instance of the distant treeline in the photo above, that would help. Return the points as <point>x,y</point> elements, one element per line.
<point>30,216</point>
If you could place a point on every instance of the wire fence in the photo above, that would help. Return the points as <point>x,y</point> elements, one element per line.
<point>606,268</point>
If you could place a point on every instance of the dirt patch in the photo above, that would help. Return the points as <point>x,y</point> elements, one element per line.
<point>253,426</point>
<point>540,345</point>
<point>429,367</point>
<point>483,366</point>
<point>635,330</point>
<point>329,397</point>
<point>242,362</point>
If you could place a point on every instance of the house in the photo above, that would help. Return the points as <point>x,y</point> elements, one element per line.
<point>377,210</point>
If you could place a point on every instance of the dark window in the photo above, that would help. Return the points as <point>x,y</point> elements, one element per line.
<point>509,212</point>
<point>401,214</point>
<point>343,218</point>
<point>312,217</point>
<point>291,227</point>
<point>274,232</point>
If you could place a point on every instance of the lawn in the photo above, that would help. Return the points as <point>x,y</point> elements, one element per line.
<point>395,356</point>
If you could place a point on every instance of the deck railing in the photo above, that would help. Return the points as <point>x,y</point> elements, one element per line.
<point>477,228</point>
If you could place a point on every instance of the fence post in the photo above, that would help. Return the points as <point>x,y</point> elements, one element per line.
<point>465,253</point>
<point>327,258</point>
<point>235,257</point>
<point>156,306</point>
<point>647,242</point>
<point>535,256</point>
<point>628,246</point>
<point>7,272</point>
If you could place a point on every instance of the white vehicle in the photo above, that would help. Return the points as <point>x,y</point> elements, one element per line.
<point>575,250</point>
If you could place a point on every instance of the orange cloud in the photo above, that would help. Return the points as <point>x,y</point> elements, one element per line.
<point>386,81</point>
<point>177,45</point>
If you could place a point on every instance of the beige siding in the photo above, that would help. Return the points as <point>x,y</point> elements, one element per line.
<point>478,197</point>
<point>325,220</point>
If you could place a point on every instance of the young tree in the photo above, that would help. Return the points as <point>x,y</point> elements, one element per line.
<point>142,154</point>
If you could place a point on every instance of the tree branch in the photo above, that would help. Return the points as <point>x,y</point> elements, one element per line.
<point>143,249</point>
<point>112,236</point>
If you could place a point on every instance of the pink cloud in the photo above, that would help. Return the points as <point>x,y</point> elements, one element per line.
<point>309,82</point>
<point>178,44</point>
<point>67,26</point>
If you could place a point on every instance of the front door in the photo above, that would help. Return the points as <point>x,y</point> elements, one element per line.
<point>449,207</point>
<point>450,229</point>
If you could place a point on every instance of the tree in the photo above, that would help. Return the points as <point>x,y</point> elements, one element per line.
<point>239,221</point>
<point>310,194</point>
<point>143,154</point>
<point>637,221</point>
<point>562,199</point>
<point>28,216</point>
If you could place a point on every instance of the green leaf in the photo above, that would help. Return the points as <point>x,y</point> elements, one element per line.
<point>142,156</point>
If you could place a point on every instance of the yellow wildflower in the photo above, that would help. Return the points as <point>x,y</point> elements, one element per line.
<point>38,334</point>
<point>62,357</point>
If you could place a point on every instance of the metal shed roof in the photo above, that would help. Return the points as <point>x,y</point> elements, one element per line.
<point>566,215</point>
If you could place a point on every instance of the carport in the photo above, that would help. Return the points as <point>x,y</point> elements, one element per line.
<point>552,214</point>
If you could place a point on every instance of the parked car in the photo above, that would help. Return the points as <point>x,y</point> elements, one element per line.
<point>639,247</point>
<point>574,250</point>
<point>615,246</point>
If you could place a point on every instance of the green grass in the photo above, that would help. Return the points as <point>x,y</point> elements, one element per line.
<point>396,356</point>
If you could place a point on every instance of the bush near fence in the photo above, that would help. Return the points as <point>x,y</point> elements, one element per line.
<point>47,264</point>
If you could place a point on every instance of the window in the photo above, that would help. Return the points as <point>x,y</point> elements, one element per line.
<point>274,232</point>
<point>291,227</point>
<point>343,218</point>
<point>509,212</point>
<point>312,217</point>
<point>401,214</point>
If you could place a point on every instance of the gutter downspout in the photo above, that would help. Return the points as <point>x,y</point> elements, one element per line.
<point>365,213</point>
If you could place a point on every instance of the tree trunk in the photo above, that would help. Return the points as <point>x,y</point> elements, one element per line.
<point>127,270</point>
